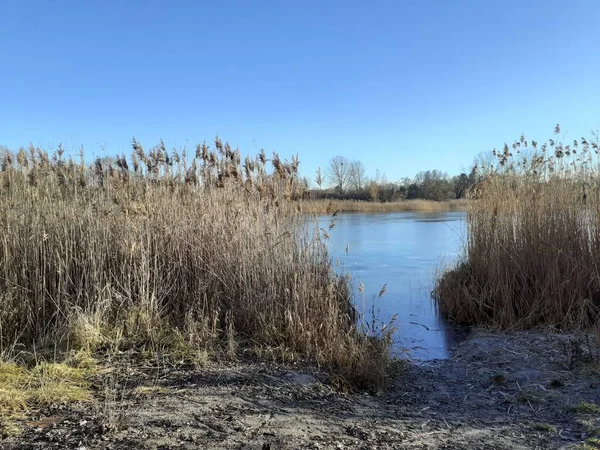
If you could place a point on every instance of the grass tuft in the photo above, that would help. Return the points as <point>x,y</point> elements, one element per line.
<point>149,391</point>
<point>584,408</point>
<point>545,427</point>
<point>9,429</point>
<point>43,385</point>
<point>591,444</point>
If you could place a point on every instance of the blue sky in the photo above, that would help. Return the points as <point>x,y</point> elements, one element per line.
<point>401,85</point>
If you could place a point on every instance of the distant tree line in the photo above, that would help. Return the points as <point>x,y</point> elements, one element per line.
<point>345,179</point>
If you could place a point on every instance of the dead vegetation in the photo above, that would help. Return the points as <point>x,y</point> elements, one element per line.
<point>533,244</point>
<point>166,253</point>
<point>492,393</point>
<point>328,206</point>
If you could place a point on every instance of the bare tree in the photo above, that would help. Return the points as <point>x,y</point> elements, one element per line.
<point>339,171</point>
<point>357,175</point>
<point>380,177</point>
<point>485,162</point>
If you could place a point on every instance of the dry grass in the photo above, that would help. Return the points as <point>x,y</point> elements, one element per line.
<point>327,206</point>
<point>166,253</point>
<point>43,385</point>
<point>533,245</point>
<point>149,391</point>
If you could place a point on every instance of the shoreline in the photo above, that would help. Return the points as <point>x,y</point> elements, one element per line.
<point>512,390</point>
<point>325,206</point>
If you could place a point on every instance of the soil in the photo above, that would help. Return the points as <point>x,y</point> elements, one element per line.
<point>497,391</point>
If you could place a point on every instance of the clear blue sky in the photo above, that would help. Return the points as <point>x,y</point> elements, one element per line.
<point>401,85</point>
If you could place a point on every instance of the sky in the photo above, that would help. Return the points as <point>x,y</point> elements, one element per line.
<point>401,85</point>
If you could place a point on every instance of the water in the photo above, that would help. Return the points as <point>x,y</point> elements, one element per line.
<point>403,250</point>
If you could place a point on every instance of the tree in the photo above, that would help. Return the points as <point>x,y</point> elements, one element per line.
<point>462,183</point>
<point>414,191</point>
<point>435,185</point>
<point>380,177</point>
<point>485,163</point>
<point>338,172</point>
<point>357,175</point>
<point>373,191</point>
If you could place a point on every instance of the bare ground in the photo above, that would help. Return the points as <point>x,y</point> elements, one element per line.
<point>498,391</point>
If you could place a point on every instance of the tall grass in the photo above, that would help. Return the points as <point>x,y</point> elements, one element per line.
<point>158,247</point>
<point>533,245</point>
<point>326,206</point>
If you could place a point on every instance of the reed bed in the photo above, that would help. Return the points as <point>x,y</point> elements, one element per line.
<point>327,206</point>
<point>161,251</point>
<point>532,253</point>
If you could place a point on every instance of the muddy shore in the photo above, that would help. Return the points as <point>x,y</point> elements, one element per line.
<point>497,391</point>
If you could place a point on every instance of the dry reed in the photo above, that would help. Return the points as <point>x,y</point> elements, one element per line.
<point>166,247</point>
<point>533,244</point>
<point>326,206</point>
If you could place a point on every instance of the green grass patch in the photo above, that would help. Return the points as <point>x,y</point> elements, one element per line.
<point>45,384</point>
<point>584,408</point>
<point>591,444</point>
<point>528,397</point>
<point>545,427</point>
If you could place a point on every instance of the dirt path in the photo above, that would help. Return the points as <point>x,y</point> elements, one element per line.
<point>509,391</point>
